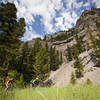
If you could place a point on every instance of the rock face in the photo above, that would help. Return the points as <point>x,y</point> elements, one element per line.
<point>86,24</point>
<point>61,77</point>
<point>88,19</point>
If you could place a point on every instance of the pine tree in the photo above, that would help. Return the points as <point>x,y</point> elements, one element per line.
<point>73,79</point>
<point>54,59</point>
<point>77,64</point>
<point>75,51</point>
<point>24,64</point>
<point>45,38</point>
<point>61,57</point>
<point>79,43</point>
<point>79,68</point>
<point>42,67</point>
<point>47,47</point>
<point>32,58</point>
<point>69,53</point>
<point>37,46</point>
<point>97,50</point>
<point>11,30</point>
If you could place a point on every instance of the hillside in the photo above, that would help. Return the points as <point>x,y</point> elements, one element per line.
<point>62,76</point>
<point>88,23</point>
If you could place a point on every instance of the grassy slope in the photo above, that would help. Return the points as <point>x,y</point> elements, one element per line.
<point>85,92</point>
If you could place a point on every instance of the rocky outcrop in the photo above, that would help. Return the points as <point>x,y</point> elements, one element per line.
<point>63,42</point>
<point>85,26</point>
<point>88,20</point>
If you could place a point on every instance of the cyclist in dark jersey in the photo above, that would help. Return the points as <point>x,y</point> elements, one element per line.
<point>32,82</point>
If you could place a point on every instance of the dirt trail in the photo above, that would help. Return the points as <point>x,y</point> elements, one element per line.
<point>61,77</point>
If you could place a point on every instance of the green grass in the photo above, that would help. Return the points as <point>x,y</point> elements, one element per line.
<point>82,92</point>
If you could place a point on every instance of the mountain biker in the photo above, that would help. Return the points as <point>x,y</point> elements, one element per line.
<point>9,80</point>
<point>32,82</point>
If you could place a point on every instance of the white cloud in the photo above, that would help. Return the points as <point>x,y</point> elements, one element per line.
<point>44,8</point>
<point>73,4</point>
<point>59,23</point>
<point>74,15</point>
<point>68,16</point>
<point>69,3</point>
<point>97,2</point>
<point>87,4</point>
<point>30,34</point>
<point>66,19</point>
<point>78,5</point>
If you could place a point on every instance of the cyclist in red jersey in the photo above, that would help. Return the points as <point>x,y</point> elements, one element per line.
<point>7,82</point>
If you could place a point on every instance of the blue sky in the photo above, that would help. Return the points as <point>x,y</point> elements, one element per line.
<point>50,16</point>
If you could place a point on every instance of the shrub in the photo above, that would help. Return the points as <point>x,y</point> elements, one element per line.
<point>98,24</point>
<point>88,81</point>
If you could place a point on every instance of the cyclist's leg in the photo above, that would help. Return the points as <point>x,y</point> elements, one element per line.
<point>6,84</point>
<point>31,85</point>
